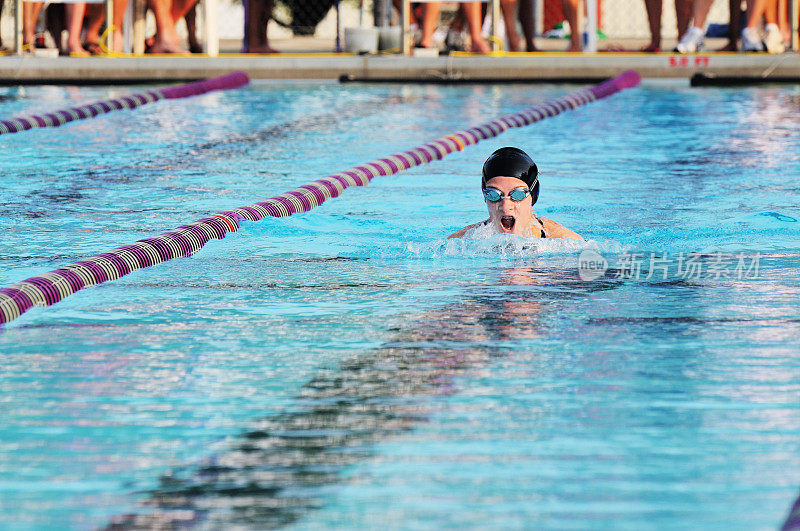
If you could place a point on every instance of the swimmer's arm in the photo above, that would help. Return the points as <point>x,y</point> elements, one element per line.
<point>460,233</point>
<point>557,230</point>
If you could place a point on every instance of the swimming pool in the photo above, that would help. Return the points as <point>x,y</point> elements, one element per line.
<point>350,367</point>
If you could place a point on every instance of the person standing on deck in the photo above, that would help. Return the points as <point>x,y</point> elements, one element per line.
<point>258,15</point>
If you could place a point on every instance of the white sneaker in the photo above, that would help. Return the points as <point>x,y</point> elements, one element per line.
<point>751,41</point>
<point>773,40</point>
<point>692,41</point>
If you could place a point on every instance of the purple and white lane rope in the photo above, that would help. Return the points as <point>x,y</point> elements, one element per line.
<point>57,118</point>
<point>49,288</point>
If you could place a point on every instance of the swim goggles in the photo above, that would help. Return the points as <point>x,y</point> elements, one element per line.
<point>517,194</point>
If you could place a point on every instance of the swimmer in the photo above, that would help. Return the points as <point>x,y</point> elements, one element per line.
<point>511,187</point>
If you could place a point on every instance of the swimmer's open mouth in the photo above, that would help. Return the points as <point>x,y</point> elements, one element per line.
<point>507,222</point>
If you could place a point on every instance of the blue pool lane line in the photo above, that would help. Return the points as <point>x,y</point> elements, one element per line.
<point>58,118</point>
<point>184,241</point>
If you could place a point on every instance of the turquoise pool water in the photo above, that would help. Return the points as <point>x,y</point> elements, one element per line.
<point>350,367</point>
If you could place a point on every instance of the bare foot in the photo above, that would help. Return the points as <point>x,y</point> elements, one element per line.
<point>262,49</point>
<point>163,46</point>
<point>574,48</point>
<point>651,48</point>
<point>119,43</point>
<point>76,50</point>
<point>514,44</point>
<point>480,45</point>
<point>93,47</point>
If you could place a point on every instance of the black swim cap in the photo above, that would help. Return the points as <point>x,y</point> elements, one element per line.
<point>512,162</point>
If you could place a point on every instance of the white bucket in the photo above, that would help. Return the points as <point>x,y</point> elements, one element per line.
<point>361,40</point>
<point>390,38</point>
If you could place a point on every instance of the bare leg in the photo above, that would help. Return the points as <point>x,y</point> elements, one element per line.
<point>755,10</point>
<point>526,19</point>
<point>510,19</point>
<point>472,12</point>
<point>773,40</point>
<point>771,12</point>
<point>120,6</point>
<point>259,12</point>
<point>55,17</point>
<point>191,29</point>
<point>166,39</point>
<point>570,8</point>
<point>96,15</point>
<point>74,26</point>
<point>783,20</point>
<point>654,9</point>
<point>683,14</point>
<point>700,12</point>
<point>735,9</point>
<point>430,17</point>
<point>30,12</point>
<point>180,8</point>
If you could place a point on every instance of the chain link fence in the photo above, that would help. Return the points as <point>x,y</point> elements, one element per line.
<point>311,25</point>
<point>623,23</point>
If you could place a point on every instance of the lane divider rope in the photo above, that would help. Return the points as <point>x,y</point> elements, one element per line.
<point>131,101</point>
<point>184,241</point>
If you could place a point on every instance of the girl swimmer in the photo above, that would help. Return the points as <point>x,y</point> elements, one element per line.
<point>510,185</point>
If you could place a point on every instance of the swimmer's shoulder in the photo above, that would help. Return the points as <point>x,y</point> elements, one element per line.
<point>557,230</point>
<point>460,233</point>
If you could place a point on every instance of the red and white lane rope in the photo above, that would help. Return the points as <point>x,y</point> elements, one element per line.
<point>57,118</point>
<point>49,288</point>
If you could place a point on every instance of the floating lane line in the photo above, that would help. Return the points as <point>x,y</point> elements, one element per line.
<point>131,101</point>
<point>184,241</point>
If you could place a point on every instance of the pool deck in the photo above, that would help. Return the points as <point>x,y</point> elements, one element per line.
<point>523,67</point>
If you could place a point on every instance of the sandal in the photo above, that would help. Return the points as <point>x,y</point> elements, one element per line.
<point>93,48</point>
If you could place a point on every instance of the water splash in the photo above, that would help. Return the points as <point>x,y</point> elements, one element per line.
<point>507,246</point>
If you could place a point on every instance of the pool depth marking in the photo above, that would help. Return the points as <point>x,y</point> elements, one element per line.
<point>184,241</point>
<point>58,118</point>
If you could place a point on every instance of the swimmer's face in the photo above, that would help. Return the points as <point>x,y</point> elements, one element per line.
<point>506,215</point>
